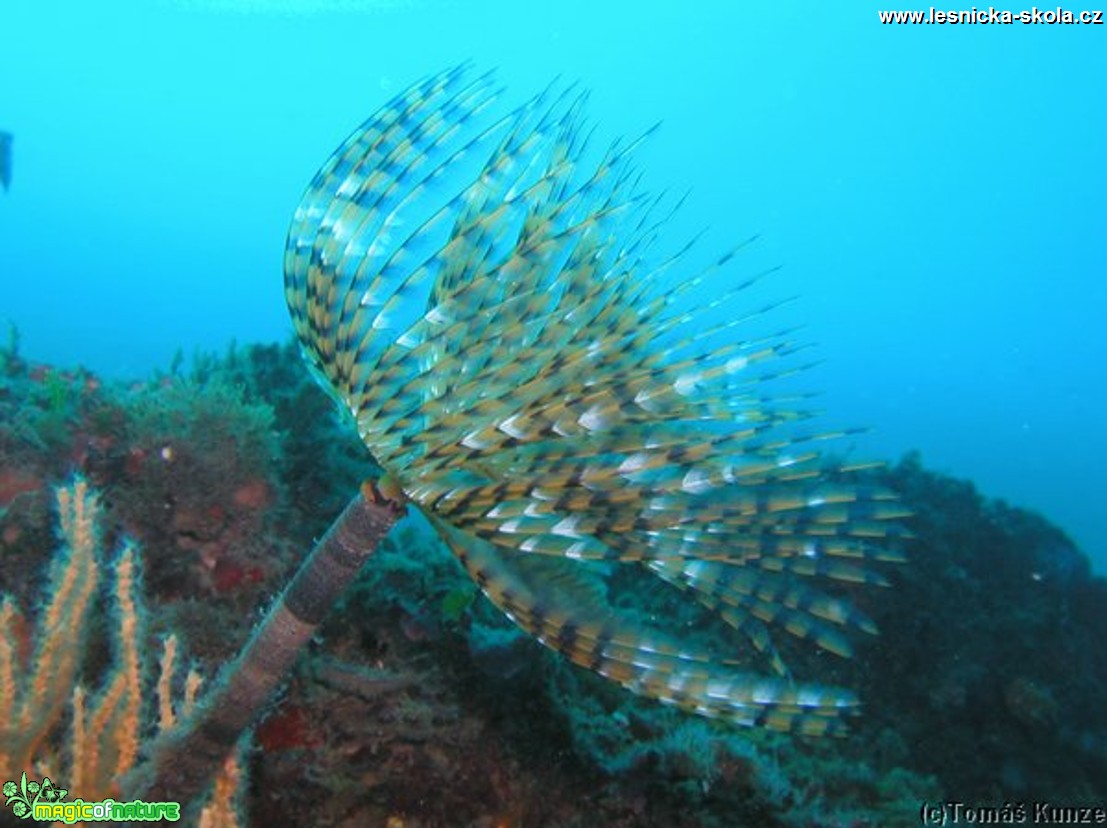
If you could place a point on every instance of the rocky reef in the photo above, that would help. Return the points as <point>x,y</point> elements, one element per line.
<point>421,706</point>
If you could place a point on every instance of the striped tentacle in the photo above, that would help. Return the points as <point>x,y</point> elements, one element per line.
<point>554,608</point>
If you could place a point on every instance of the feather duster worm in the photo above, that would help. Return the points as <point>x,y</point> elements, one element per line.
<point>481,301</point>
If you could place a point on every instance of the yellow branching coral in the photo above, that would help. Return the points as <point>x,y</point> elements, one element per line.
<point>36,691</point>
<point>105,726</point>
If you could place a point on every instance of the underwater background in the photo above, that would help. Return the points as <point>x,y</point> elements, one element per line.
<point>935,195</point>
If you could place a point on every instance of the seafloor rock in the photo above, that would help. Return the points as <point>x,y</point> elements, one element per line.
<point>422,706</point>
<point>990,663</point>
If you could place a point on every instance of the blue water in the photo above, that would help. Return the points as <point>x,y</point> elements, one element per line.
<point>936,194</point>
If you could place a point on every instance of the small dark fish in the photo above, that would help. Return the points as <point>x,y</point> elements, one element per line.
<point>5,159</point>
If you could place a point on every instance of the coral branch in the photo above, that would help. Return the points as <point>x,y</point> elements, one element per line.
<point>105,727</point>
<point>34,694</point>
